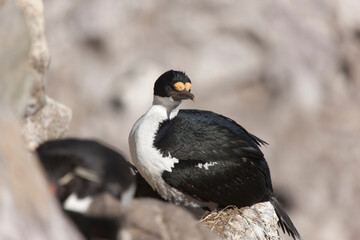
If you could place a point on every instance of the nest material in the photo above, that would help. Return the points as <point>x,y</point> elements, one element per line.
<point>217,220</point>
<point>256,222</point>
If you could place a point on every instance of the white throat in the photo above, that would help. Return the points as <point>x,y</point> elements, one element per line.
<point>148,160</point>
<point>172,107</point>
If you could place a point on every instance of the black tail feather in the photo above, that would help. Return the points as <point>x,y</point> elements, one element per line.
<point>284,220</point>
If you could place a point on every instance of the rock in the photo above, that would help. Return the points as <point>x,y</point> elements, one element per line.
<point>14,50</point>
<point>105,205</point>
<point>24,58</point>
<point>150,219</point>
<point>39,56</point>
<point>251,223</point>
<point>27,210</point>
<point>49,122</point>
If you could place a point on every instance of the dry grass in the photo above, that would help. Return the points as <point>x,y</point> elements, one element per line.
<point>218,220</point>
<point>256,222</point>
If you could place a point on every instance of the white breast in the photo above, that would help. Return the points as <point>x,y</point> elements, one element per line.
<point>145,156</point>
<point>148,160</point>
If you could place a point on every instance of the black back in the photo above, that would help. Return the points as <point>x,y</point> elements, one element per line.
<point>238,173</point>
<point>219,161</point>
<point>195,134</point>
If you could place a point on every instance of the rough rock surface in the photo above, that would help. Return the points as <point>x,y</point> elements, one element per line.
<point>50,122</point>
<point>27,209</point>
<point>150,219</point>
<point>39,56</point>
<point>249,223</point>
<point>14,45</point>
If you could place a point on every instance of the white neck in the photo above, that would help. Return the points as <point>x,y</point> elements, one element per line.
<point>172,107</point>
<point>148,160</point>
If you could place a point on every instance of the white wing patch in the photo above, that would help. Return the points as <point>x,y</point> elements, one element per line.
<point>206,165</point>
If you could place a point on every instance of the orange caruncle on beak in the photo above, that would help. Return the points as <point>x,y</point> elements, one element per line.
<point>187,86</point>
<point>179,86</point>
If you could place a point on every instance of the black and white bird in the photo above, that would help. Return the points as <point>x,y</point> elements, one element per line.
<point>200,158</point>
<point>79,170</point>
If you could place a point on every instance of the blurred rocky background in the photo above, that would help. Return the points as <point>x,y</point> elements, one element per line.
<point>287,71</point>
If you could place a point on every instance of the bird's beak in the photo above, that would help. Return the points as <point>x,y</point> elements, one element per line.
<point>186,95</point>
<point>182,95</point>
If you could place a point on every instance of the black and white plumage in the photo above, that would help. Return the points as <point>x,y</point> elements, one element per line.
<point>81,169</point>
<point>200,158</point>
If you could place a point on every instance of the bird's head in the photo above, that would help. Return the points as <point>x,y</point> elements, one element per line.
<point>174,85</point>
